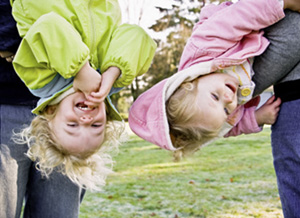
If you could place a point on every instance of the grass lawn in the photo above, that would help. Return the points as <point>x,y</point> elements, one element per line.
<point>232,177</point>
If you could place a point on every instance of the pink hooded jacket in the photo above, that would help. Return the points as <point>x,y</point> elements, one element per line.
<point>226,35</point>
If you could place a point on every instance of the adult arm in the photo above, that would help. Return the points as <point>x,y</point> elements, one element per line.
<point>9,37</point>
<point>278,62</point>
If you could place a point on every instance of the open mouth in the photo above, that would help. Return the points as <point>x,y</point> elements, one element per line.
<point>84,107</point>
<point>231,87</point>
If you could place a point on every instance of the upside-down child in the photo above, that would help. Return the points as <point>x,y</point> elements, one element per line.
<point>212,94</point>
<point>65,43</point>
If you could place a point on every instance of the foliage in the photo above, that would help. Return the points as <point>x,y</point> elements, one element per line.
<point>176,23</point>
<point>231,178</point>
<point>167,57</point>
<point>177,27</point>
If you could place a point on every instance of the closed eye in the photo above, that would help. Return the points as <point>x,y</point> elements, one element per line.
<point>226,111</point>
<point>97,125</point>
<point>216,97</point>
<point>72,124</point>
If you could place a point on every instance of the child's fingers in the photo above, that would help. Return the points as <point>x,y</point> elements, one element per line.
<point>277,102</point>
<point>91,101</point>
<point>97,94</point>
<point>271,99</point>
<point>91,104</point>
<point>94,100</point>
<point>96,97</point>
<point>101,95</point>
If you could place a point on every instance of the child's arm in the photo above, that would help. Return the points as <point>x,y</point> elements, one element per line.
<point>87,80</point>
<point>268,112</point>
<point>252,119</point>
<point>107,81</point>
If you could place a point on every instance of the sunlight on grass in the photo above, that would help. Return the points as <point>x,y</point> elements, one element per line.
<point>169,167</point>
<point>231,178</point>
<point>144,148</point>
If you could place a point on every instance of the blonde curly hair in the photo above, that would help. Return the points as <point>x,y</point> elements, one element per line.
<point>87,171</point>
<point>181,109</point>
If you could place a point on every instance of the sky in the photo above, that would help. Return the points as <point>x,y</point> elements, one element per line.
<point>150,13</point>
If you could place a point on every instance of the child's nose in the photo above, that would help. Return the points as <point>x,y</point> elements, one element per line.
<point>228,98</point>
<point>86,119</point>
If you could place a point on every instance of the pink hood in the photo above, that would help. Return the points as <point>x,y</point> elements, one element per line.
<point>147,116</point>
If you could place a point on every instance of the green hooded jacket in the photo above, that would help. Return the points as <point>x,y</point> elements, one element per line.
<point>60,36</point>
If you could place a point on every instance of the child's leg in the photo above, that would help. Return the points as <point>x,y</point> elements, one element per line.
<point>283,56</point>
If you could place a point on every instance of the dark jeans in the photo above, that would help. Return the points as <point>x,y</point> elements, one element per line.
<point>280,62</point>
<point>286,154</point>
<point>56,197</point>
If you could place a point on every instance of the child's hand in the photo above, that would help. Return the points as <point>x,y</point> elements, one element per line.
<point>293,5</point>
<point>9,56</point>
<point>108,79</point>
<point>87,80</point>
<point>268,112</point>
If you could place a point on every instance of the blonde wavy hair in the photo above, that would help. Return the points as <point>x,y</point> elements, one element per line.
<point>88,171</point>
<point>181,109</point>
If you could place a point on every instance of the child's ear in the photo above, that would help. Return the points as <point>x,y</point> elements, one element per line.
<point>50,109</point>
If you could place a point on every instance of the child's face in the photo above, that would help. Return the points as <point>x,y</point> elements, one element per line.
<point>217,98</point>
<point>76,127</point>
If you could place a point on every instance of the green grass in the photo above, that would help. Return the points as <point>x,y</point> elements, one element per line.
<point>232,177</point>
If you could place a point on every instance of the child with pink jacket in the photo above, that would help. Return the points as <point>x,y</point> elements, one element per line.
<point>212,94</point>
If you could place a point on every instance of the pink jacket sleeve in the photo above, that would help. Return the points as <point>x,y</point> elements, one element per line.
<point>223,30</point>
<point>244,116</point>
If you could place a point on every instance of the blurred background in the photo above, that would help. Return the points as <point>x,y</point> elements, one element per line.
<point>169,23</point>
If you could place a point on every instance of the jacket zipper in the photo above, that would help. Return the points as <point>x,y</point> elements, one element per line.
<point>92,31</point>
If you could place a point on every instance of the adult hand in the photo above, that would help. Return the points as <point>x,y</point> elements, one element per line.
<point>293,5</point>
<point>9,56</point>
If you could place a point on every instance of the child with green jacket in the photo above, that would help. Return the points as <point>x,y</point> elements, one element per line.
<point>65,43</point>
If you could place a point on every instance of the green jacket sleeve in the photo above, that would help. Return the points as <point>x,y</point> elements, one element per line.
<point>51,46</point>
<point>132,50</point>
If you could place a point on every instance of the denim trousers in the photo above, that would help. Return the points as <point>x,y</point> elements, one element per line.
<point>286,153</point>
<point>281,62</point>
<point>53,197</point>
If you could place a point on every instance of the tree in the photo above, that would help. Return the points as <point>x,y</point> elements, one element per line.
<point>133,13</point>
<point>178,23</point>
